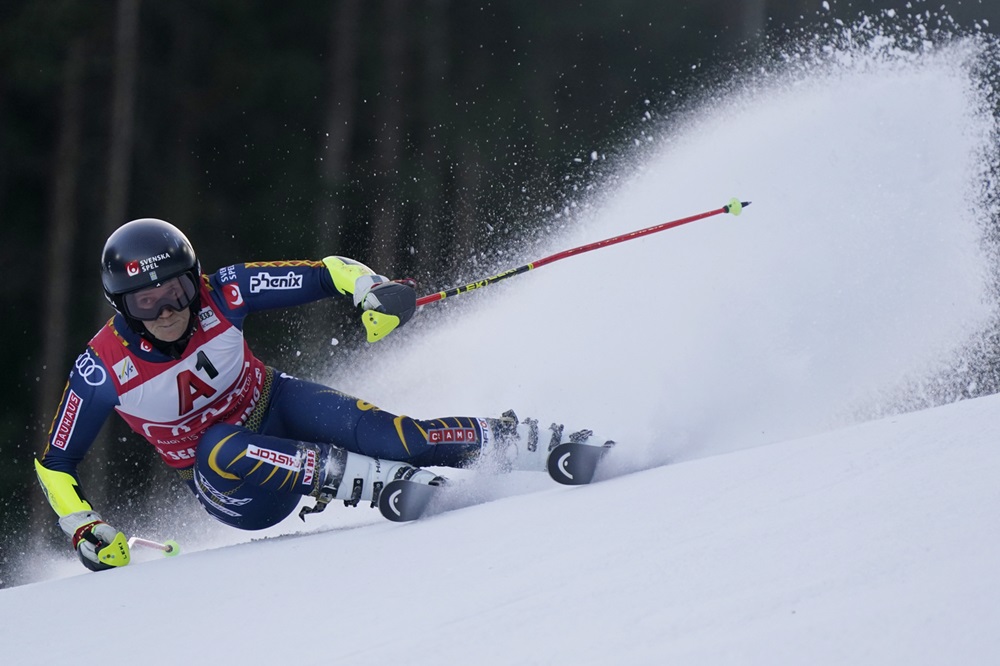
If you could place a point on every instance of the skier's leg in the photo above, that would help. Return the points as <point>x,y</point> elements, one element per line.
<point>513,444</point>
<point>312,412</point>
<point>254,481</point>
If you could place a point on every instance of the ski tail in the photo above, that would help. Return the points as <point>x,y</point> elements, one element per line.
<point>575,463</point>
<point>402,501</point>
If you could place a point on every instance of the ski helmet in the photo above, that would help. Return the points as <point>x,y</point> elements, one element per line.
<point>146,253</point>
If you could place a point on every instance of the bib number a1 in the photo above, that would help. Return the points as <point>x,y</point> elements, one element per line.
<point>190,386</point>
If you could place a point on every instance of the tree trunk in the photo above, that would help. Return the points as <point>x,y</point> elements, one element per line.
<point>180,192</point>
<point>117,194</point>
<point>122,115</point>
<point>386,219</point>
<point>59,249</point>
<point>341,93</point>
<point>469,168</point>
<point>433,95</point>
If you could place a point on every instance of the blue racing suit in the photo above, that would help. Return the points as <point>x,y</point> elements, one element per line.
<point>248,439</point>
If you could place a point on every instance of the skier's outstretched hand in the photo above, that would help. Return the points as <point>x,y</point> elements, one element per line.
<point>99,545</point>
<point>395,300</point>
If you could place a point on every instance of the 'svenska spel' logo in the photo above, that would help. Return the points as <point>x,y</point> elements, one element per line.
<point>149,263</point>
<point>234,298</point>
<point>227,274</point>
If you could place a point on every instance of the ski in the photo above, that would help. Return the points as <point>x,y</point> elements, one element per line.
<point>574,464</point>
<point>402,501</point>
<point>569,463</point>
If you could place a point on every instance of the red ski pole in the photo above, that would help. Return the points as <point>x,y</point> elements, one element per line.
<point>735,206</point>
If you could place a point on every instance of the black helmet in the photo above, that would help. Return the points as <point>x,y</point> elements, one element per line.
<point>145,253</point>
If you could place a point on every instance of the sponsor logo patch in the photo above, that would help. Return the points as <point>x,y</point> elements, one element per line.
<point>276,458</point>
<point>207,319</point>
<point>267,282</point>
<point>448,435</point>
<point>132,268</point>
<point>484,428</point>
<point>125,371</point>
<point>150,263</point>
<point>90,370</point>
<point>310,468</point>
<point>227,274</point>
<point>145,346</point>
<point>234,297</point>
<point>64,429</point>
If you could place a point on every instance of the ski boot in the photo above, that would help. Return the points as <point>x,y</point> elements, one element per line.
<point>355,478</point>
<point>510,444</point>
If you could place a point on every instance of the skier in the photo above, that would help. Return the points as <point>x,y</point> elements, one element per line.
<point>249,440</point>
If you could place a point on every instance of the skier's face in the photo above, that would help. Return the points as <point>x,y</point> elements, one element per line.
<point>171,325</point>
<point>147,304</point>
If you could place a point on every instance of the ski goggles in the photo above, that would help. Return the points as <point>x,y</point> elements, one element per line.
<point>147,304</point>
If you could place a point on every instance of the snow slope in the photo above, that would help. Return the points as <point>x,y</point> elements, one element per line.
<point>875,544</point>
<point>745,352</point>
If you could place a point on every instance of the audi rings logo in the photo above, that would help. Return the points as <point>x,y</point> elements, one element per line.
<point>90,370</point>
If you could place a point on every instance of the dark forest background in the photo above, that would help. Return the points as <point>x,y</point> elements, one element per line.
<point>418,136</point>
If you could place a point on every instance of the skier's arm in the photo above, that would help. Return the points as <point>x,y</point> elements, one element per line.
<point>245,288</point>
<point>86,403</point>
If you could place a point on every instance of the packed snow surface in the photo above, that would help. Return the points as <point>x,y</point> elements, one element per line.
<point>875,544</point>
<point>752,512</point>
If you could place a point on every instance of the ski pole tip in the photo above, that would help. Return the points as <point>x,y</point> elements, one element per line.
<point>735,206</point>
<point>172,548</point>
